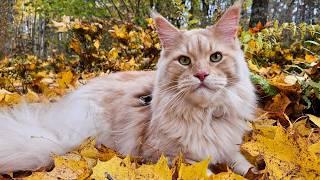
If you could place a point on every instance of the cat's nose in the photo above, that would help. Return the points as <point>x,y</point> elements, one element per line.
<point>201,75</point>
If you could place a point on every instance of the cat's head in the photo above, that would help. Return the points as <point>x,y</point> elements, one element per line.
<point>200,63</point>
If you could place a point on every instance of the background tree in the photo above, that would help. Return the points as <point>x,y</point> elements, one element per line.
<point>259,12</point>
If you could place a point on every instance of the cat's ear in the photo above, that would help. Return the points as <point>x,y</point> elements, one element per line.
<point>227,25</point>
<point>168,34</point>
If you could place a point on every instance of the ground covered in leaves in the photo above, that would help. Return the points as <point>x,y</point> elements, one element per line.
<point>283,59</point>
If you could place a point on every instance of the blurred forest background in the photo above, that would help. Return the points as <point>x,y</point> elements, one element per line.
<point>29,26</point>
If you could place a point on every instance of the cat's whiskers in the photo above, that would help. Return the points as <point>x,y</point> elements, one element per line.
<point>165,84</point>
<point>177,101</point>
<point>162,91</point>
<point>172,101</point>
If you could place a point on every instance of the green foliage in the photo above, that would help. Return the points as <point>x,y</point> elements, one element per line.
<point>76,8</point>
<point>268,89</point>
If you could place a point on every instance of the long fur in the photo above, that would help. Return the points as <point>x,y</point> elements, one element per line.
<point>30,134</point>
<point>184,116</point>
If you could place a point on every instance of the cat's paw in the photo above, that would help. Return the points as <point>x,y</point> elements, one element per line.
<point>242,166</point>
<point>209,172</point>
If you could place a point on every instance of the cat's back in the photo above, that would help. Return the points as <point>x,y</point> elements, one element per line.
<point>116,85</point>
<point>126,114</point>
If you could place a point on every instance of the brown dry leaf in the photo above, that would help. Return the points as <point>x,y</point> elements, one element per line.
<point>279,82</point>
<point>286,153</point>
<point>75,45</point>
<point>279,104</point>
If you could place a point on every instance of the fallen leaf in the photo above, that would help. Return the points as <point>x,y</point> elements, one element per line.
<point>65,79</point>
<point>70,166</point>
<point>116,168</point>
<point>314,119</point>
<point>160,170</point>
<point>226,175</point>
<point>195,171</point>
<point>285,152</point>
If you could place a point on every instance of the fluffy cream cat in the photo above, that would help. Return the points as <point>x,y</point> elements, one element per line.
<point>202,97</point>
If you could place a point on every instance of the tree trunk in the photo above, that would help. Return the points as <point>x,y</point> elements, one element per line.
<point>288,13</point>
<point>259,12</point>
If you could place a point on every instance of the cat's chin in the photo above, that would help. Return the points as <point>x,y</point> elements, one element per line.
<point>204,96</point>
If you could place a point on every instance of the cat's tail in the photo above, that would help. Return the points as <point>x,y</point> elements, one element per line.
<point>31,133</point>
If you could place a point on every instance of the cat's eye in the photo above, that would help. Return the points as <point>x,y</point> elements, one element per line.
<point>216,57</point>
<point>184,60</point>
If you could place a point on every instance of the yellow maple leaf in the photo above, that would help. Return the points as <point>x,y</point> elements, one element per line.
<point>12,98</point>
<point>285,152</point>
<point>160,170</point>
<point>252,45</point>
<point>65,79</point>
<point>195,171</point>
<point>70,166</point>
<point>120,32</point>
<point>113,54</point>
<point>116,168</point>
<point>88,149</point>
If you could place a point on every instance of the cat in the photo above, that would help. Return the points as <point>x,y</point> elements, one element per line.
<point>202,98</point>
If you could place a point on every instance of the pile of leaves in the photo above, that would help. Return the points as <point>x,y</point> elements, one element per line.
<point>278,152</point>
<point>283,59</point>
<point>90,162</point>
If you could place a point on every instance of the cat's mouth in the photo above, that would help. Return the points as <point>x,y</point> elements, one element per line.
<point>203,86</point>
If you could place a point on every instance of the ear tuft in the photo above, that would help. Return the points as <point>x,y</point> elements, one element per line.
<point>167,33</point>
<point>227,25</point>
